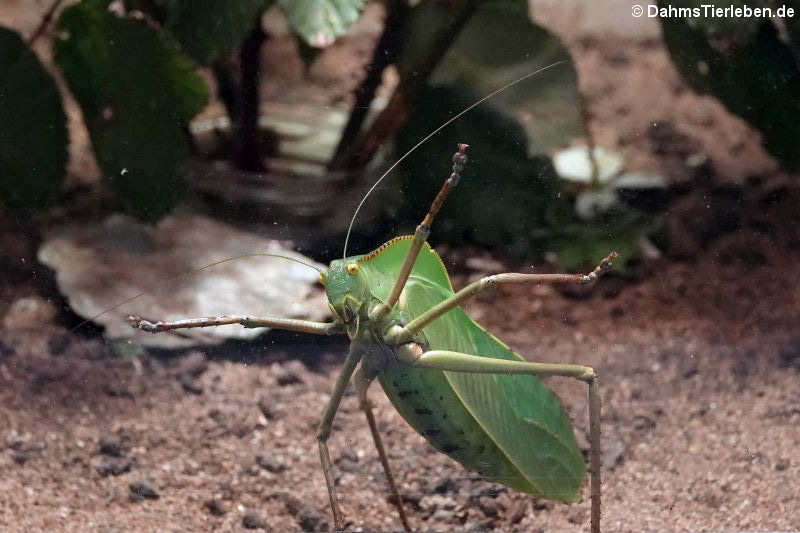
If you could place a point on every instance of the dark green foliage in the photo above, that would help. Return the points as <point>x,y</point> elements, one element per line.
<point>578,243</point>
<point>499,44</point>
<point>33,131</point>
<point>503,195</point>
<point>137,95</point>
<point>208,30</point>
<point>510,190</point>
<point>745,64</point>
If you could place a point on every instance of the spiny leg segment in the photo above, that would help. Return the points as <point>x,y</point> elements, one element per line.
<point>291,324</point>
<point>362,383</point>
<point>422,232</point>
<point>324,431</point>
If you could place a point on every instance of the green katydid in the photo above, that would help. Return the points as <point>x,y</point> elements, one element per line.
<point>462,389</point>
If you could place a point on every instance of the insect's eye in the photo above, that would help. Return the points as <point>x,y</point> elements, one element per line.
<point>352,268</point>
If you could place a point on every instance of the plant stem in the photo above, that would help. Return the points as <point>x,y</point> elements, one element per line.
<point>385,53</point>
<point>48,16</point>
<point>248,150</point>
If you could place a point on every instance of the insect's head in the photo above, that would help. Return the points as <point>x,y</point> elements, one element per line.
<point>347,289</point>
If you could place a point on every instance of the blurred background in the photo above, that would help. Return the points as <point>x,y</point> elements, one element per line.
<point>148,146</point>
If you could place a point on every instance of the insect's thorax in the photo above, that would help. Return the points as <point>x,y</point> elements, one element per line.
<point>352,298</point>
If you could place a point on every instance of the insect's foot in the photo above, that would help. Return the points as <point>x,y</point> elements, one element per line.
<point>459,162</point>
<point>138,322</point>
<point>599,270</point>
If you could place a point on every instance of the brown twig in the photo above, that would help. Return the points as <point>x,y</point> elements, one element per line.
<point>48,16</point>
<point>386,52</point>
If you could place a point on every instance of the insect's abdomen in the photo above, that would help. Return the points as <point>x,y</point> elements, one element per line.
<point>427,402</point>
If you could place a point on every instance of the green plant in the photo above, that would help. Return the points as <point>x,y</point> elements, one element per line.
<point>747,63</point>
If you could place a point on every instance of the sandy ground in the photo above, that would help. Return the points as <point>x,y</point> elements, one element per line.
<point>699,360</point>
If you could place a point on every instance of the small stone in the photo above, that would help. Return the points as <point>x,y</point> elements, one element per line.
<point>141,490</point>
<point>411,498</point>
<point>542,505</point>
<point>113,466</point>
<point>310,519</point>
<point>613,451</point>
<point>518,511</point>
<point>19,457</point>
<point>110,445</point>
<point>489,506</point>
<point>58,344</point>
<point>643,423</point>
<point>190,384</point>
<point>289,374</point>
<point>266,408</point>
<point>253,521</point>
<point>215,507</point>
<point>789,355</point>
<point>269,462</point>
<point>479,525</point>
<point>6,350</point>
<point>29,312</point>
<point>443,515</point>
<point>436,502</point>
<point>445,485</point>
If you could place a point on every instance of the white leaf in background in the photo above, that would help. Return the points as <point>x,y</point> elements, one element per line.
<point>573,164</point>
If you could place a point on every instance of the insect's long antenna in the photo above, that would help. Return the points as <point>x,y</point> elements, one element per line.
<point>189,273</point>
<point>434,132</point>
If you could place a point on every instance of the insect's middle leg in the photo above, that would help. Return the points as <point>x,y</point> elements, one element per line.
<point>324,431</point>
<point>362,383</point>
<point>405,334</point>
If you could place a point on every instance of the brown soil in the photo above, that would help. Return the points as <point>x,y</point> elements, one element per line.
<point>699,364</point>
<point>699,360</point>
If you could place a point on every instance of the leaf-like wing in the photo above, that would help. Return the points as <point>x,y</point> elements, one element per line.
<point>521,422</point>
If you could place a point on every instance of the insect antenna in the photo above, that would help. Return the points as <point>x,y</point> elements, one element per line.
<point>191,273</point>
<point>433,133</point>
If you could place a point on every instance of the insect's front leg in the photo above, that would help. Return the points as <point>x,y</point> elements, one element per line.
<point>290,324</point>
<point>324,430</point>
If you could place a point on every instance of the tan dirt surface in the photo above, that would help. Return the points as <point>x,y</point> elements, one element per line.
<point>699,360</point>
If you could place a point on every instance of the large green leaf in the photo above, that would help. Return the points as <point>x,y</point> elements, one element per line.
<point>209,29</point>
<point>137,95</point>
<point>320,22</point>
<point>33,131</point>
<point>500,44</point>
<point>503,194</point>
<point>746,64</point>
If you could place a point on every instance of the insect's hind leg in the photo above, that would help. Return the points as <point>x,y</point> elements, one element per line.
<point>463,362</point>
<point>362,383</point>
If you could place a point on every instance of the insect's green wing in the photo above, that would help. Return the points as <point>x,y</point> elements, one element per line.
<point>510,429</point>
